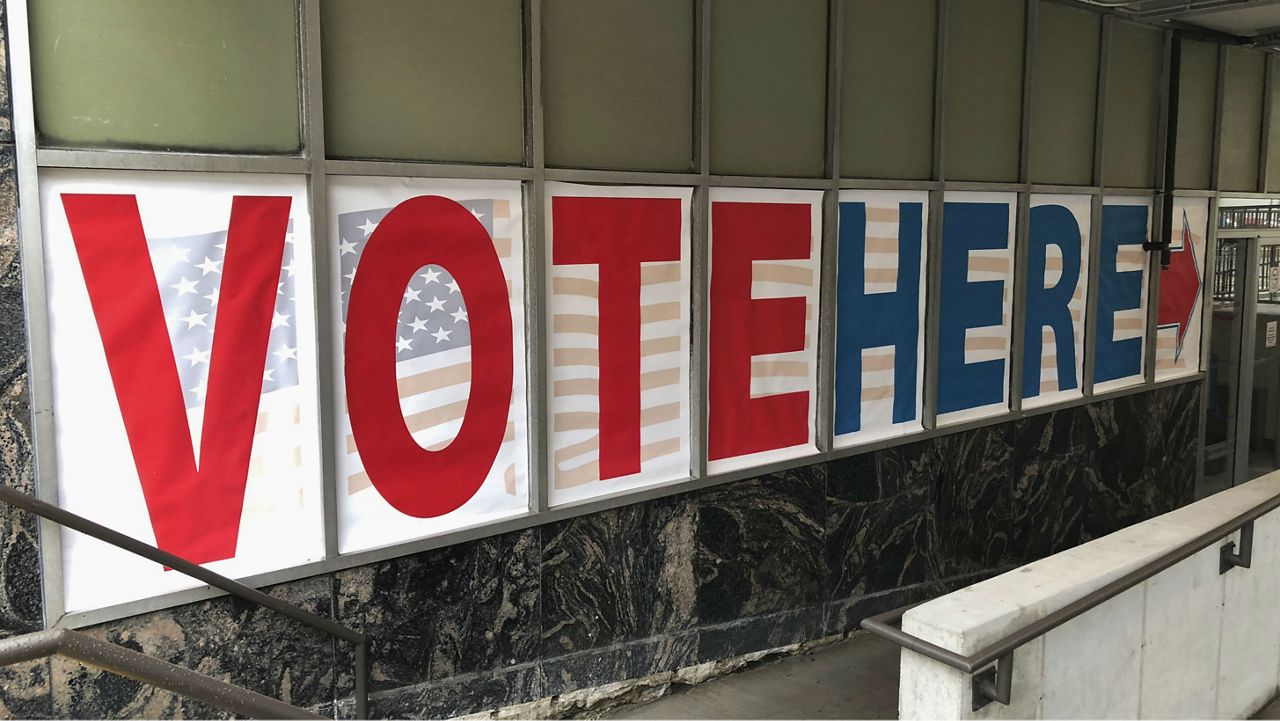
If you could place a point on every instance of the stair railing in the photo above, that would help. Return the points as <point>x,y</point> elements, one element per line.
<point>161,673</point>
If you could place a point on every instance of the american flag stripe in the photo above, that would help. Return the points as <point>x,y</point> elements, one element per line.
<point>575,361</point>
<point>1053,268</point>
<point>880,262</point>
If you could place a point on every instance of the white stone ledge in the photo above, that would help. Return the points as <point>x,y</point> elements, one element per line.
<point>1186,643</point>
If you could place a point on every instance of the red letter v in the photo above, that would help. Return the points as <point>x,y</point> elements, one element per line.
<point>194,509</point>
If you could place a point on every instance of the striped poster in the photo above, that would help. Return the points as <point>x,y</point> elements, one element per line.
<point>1120,344</point>
<point>880,310</point>
<point>975,305</point>
<point>433,357</point>
<point>1058,279</point>
<point>763,303</point>
<point>618,328</point>
<point>185,223</point>
<point>1178,323</point>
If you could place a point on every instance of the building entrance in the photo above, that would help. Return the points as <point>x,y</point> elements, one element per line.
<point>1242,404</point>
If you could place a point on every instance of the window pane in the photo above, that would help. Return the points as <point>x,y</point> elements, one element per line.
<point>984,89</point>
<point>1134,66</point>
<point>1242,119</point>
<point>1273,134</point>
<point>1197,96</point>
<point>886,116</point>
<point>410,80</point>
<point>200,75</point>
<point>1064,103</point>
<point>617,83</point>
<point>768,109</point>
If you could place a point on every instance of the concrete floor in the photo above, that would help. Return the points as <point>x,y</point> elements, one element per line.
<point>852,679</point>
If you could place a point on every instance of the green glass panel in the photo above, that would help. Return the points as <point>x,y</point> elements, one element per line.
<point>1135,63</point>
<point>1064,101</point>
<point>768,109</point>
<point>1197,97</point>
<point>617,83</point>
<point>217,75</point>
<point>886,116</point>
<point>1242,119</point>
<point>1273,131</point>
<point>441,81</point>
<point>984,89</point>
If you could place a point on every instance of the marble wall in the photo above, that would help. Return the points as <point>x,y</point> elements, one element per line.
<point>662,584</point>
<point>654,586</point>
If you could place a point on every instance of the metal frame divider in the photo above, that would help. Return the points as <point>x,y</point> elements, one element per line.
<point>535,262</point>
<point>933,229</point>
<point>700,241</point>
<point>1095,206</point>
<point>829,263</point>
<point>315,166</point>
<point>317,205</point>
<point>1018,281</point>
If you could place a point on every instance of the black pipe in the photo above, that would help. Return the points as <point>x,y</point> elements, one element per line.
<point>1170,152</point>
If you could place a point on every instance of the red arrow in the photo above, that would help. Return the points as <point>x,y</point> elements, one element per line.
<point>1180,287</point>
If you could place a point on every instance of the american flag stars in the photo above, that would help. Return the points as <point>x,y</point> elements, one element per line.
<point>433,315</point>
<point>188,274</point>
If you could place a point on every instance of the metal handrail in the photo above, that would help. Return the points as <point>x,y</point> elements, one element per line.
<point>79,523</point>
<point>989,686</point>
<point>141,667</point>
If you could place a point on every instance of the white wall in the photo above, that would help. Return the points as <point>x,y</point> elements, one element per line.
<point>1187,643</point>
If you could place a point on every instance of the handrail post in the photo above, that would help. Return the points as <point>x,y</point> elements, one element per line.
<point>362,679</point>
<point>1228,559</point>
<point>994,684</point>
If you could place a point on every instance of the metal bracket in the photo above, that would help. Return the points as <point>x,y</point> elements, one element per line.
<point>994,684</point>
<point>1229,559</point>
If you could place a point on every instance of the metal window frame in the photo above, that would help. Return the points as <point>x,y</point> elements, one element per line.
<point>312,165</point>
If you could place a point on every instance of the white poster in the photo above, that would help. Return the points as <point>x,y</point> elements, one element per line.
<point>1178,322</point>
<point>1057,288</point>
<point>183,368</point>
<point>618,338</point>
<point>880,305</point>
<point>1120,342</point>
<point>762,350</point>
<point>469,237</point>
<point>975,305</point>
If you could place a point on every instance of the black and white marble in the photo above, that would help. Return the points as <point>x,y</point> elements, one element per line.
<point>226,638</point>
<point>456,695</point>
<point>634,659</point>
<point>758,547</point>
<point>460,609</point>
<point>879,530</point>
<point>619,575</point>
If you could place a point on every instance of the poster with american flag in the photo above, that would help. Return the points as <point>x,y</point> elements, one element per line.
<point>1121,345</point>
<point>989,264</point>
<point>1051,386</point>
<point>433,356</point>
<point>618,321</point>
<point>184,272</point>
<point>882,260</point>
<point>1178,323</point>
<point>762,343</point>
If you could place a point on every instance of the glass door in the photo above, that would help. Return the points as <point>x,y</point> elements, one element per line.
<point>1261,377</point>
<point>1242,399</point>
<point>1223,381</point>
